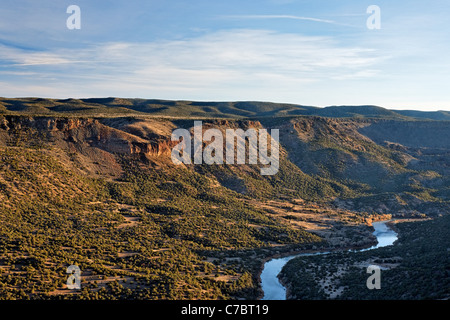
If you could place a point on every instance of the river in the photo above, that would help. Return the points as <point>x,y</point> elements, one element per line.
<point>274,290</point>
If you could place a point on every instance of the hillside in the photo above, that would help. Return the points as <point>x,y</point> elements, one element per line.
<point>111,107</point>
<point>90,182</point>
<point>414,268</point>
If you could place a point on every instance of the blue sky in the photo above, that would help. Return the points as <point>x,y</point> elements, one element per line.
<point>313,52</point>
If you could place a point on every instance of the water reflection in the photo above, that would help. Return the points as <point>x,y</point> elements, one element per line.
<point>273,290</point>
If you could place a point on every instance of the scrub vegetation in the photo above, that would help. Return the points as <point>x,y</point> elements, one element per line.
<point>90,182</point>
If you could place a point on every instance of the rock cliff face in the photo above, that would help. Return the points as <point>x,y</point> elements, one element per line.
<point>83,131</point>
<point>371,165</point>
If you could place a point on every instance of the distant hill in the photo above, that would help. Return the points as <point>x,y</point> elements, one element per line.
<point>361,111</point>
<point>433,115</point>
<point>112,107</point>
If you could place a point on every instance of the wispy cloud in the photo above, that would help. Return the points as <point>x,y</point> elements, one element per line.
<point>284,16</point>
<point>16,56</point>
<point>267,16</point>
<point>245,62</point>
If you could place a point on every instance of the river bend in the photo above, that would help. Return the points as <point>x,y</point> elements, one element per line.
<point>274,290</point>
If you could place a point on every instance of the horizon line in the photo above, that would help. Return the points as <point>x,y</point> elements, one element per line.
<point>228,101</point>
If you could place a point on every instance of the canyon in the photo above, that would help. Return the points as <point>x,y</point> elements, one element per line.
<point>92,181</point>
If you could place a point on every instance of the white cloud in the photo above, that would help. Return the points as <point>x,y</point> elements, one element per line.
<point>19,57</point>
<point>279,16</point>
<point>220,63</point>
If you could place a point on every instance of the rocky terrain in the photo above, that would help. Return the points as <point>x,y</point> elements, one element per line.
<point>92,182</point>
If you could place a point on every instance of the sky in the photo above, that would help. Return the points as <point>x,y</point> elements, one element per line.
<point>307,52</point>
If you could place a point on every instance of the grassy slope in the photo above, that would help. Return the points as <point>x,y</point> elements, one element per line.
<point>145,235</point>
<point>232,110</point>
